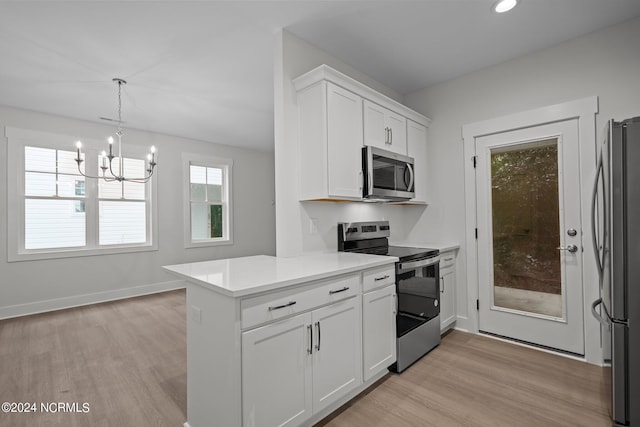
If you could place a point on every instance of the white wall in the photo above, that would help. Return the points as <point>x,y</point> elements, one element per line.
<point>294,57</point>
<point>32,286</point>
<point>605,64</point>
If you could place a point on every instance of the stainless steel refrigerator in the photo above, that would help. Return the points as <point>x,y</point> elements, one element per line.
<point>616,229</point>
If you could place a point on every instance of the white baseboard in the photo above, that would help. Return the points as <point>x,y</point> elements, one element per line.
<point>86,299</point>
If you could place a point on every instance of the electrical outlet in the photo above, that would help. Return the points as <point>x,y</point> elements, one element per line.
<point>196,314</point>
<point>313,225</point>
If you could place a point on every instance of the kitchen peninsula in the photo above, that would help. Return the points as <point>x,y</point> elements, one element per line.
<point>285,341</point>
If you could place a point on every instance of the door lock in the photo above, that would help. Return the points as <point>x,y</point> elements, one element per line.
<point>570,248</point>
<point>572,232</point>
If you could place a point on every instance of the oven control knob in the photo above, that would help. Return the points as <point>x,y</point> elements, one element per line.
<point>435,302</point>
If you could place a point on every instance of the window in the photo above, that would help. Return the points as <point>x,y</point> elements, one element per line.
<point>207,201</point>
<point>58,213</point>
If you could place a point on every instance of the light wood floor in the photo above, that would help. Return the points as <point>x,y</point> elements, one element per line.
<point>127,359</point>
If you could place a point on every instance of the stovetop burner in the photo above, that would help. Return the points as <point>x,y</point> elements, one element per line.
<point>372,238</point>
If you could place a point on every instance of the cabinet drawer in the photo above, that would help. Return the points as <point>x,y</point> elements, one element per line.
<point>378,277</point>
<point>447,259</point>
<point>273,306</point>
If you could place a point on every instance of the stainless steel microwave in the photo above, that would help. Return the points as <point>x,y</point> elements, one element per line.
<point>387,175</point>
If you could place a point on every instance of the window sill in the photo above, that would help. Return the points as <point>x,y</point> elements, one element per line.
<point>208,243</point>
<point>34,255</point>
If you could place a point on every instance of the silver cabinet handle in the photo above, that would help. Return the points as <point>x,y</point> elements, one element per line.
<point>448,259</point>
<point>346,288</point>
<point>570,248</point>
<point>318,328</point>
<point>390,136</point>
<point>278,307</point>
<point>310,348</point>
<point>377,279</point>
<point>442,288</point>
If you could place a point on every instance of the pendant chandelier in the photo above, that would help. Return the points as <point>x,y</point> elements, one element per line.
<point>106,160</point>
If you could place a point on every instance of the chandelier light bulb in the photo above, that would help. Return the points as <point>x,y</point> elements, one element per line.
<point>110,139</point>
<point>153,149</point>
<point>503,6</point>
<point>78,145</point>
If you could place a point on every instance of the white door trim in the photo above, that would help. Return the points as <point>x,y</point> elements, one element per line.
<point>584,110</point>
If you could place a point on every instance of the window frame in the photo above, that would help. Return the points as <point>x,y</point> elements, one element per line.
<point>188,160</point>
<point>18,139</point>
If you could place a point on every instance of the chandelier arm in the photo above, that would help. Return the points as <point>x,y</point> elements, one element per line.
<point>83,174</point>
<point>139,180</point>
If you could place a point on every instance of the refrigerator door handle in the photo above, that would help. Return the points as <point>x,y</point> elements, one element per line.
<point>594,226</point>
<point>598,316</point>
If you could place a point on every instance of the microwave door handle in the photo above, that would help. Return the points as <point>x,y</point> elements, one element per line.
<point>370,181</point>
<point>411,177</point>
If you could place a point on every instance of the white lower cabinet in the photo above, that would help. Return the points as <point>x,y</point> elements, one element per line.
<point>276,373</point>
<point>378,330</point>
<point>447,290</point>
<point>296,367</point>
<point>337,356</point>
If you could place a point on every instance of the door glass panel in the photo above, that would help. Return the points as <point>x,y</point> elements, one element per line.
<point>526,228</point>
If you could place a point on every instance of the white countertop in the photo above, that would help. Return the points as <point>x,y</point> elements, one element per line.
<point>442,247</point>
<point>237,277</point>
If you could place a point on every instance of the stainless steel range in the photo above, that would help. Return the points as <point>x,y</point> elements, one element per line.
<point>417,287</point>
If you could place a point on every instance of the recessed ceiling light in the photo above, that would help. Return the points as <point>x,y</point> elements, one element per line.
<point>502,6</point>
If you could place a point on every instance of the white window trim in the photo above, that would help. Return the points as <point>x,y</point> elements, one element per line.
<point>189,159</point>
<point>17,140</point>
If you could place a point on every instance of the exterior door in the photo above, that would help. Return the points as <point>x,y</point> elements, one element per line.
<point>529,235</point>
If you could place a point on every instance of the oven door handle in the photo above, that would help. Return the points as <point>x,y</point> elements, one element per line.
<point>410,265</point>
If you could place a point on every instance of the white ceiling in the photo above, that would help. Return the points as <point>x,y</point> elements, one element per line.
<point>204,70</point>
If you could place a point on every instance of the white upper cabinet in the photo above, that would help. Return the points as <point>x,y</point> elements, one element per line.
<point>330,147</point>
<point>337,117</point>
<point>384,129</point>
<point>417,148</point>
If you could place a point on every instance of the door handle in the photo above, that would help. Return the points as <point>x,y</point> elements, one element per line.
<point>570,248</point>
<point>597,315</point>
<point>310,348</point>
<point>278,307</point>
<point>442,288</point>
<point>318,328</point>
<point>411,177</point>
<point>390,136</point>
<point>346,288</point>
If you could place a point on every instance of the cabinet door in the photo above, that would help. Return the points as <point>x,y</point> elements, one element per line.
<point>344,142</point>
<point>417,148</point>
<point>447,296</point>
<point>397,126</point>
<point>375,128</point>
<point>384,129</point>
<point>276,373</point>
<point>378,330</point>
<point>337,355</point>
